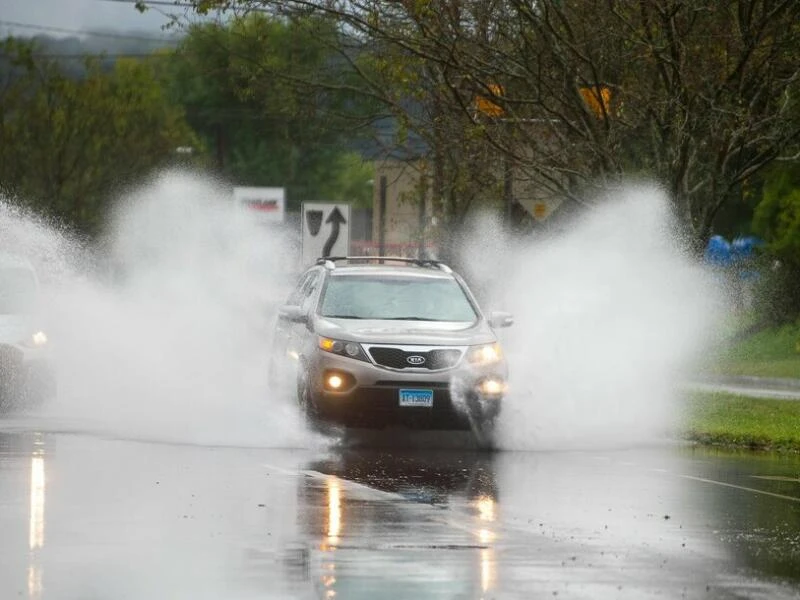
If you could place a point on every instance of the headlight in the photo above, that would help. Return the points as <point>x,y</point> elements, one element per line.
<point>348,349</point>
<point>486,354</point>
<point>492,387</point>
<point>37,340</point>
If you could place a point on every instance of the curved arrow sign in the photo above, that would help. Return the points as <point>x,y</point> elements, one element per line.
<point>336,219</point>
<point>325,230</point>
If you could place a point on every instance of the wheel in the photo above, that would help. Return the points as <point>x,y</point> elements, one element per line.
<point>482,423</point>
<point>306,404</point>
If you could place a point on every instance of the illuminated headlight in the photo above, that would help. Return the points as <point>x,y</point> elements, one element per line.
<point>338,381</point>
<point>487,354</point>
<point>492,387</point>
<point>348,349</point>
<point>37,340</point>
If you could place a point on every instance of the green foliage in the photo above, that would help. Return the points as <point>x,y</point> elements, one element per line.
<point>777,220</point>
<point>264,94</point>
<point>770,352</point>
<point>777,217</point>
<point>701,96</point>
<point>68,145</point>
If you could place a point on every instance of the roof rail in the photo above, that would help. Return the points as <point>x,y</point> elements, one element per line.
<point>330,261</point>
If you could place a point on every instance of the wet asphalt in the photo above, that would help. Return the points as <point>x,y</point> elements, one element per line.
<point>88,516</point>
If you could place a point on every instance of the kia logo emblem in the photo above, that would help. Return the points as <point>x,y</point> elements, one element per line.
<point>415,360</point>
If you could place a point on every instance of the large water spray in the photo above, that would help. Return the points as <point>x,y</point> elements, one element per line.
<point>162,331</point>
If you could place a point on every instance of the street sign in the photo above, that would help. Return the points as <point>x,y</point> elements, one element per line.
<point>265,204</point>
<point>325,230</point>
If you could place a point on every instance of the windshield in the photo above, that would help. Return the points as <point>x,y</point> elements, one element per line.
<point>400,298</point>
<point>17,291</point>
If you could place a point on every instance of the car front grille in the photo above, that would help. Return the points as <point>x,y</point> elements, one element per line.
<point>435,359</point>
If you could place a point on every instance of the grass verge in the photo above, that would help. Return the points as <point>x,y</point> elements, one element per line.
<point>772,352</point>
<point>722,419</point>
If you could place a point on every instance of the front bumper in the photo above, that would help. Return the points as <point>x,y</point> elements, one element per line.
<point>371,397</point>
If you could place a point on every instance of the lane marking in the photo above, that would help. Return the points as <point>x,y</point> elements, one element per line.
<point>777,478</point>
<point>741,487</point>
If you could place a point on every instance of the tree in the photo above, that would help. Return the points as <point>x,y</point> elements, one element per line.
<point>698,95</point>
<point>777,219</point>
<point>67,146</point>
<point>244,86</point>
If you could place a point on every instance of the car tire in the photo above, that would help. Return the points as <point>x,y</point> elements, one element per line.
<point>306,404</point>
<point>481,423</point>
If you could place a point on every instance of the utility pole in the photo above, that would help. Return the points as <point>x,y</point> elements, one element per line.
<point>382,216</point>
<point>508,187</point>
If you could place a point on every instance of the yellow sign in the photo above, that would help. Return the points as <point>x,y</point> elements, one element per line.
<point>598,99</point>
<point>488,107</point>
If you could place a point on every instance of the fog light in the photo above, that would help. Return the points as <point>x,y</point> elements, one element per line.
<point>338,381</point>
<point>492,387</point>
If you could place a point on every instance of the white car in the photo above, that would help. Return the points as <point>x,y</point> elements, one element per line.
<point>27,376</point>
<point>377,342</point>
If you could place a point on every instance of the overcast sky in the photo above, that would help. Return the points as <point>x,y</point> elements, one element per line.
<point>82,15</point>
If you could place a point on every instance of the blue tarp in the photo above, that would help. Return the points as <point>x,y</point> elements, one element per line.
<point>718,251</point>
<point>737,254</point>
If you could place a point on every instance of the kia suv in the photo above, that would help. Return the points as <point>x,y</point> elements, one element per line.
<point>374,342</point>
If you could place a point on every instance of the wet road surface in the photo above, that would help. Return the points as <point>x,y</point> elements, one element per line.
<point>88,516</point>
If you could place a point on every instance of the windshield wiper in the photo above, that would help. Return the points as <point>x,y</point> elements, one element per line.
<point>342,317</point>
<point>409,319</point>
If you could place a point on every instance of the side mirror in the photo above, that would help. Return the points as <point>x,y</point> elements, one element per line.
<point>501,319</point>
<point>293,314</point>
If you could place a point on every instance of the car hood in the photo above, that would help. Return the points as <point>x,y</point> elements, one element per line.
<point>427,333</point>
<point>15,328</point>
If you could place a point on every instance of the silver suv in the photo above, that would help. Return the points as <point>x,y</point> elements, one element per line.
<point>371,342</point>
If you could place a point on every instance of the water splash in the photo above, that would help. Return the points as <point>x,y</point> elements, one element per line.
<point>611,314</point>
<point>163,331</point>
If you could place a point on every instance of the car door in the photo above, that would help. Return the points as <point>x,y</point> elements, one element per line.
<point>283,343</point>
<point>303,337</point>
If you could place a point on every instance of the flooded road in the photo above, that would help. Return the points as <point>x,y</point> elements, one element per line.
<point>89,516</point>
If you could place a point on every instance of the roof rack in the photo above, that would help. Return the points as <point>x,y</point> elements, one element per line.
<point>330,261</point>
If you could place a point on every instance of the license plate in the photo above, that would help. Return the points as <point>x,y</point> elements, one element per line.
<point>422,398</point>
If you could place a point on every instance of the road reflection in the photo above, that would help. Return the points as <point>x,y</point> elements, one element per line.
<point>753,501</point>
<point>358,508</point>
<point>23,487</point>
<point>702,513</point>
<point>382,523</point>
<point>37,519</point>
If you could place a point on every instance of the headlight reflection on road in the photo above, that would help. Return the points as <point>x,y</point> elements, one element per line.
<point>334,511</point>
<point>36,523</point>
<point>486,508</point>
<point>487,513</point>
<point>488,569</point>
<point>334,530</point>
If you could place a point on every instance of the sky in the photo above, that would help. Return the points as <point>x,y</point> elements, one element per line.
<point>65,17</point>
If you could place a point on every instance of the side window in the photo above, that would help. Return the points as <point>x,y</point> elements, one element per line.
<point>297,295</point>
<point>309,291</point>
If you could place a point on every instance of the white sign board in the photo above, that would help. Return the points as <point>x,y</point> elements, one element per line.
<point>266,204</point>
<point>326,230</point>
